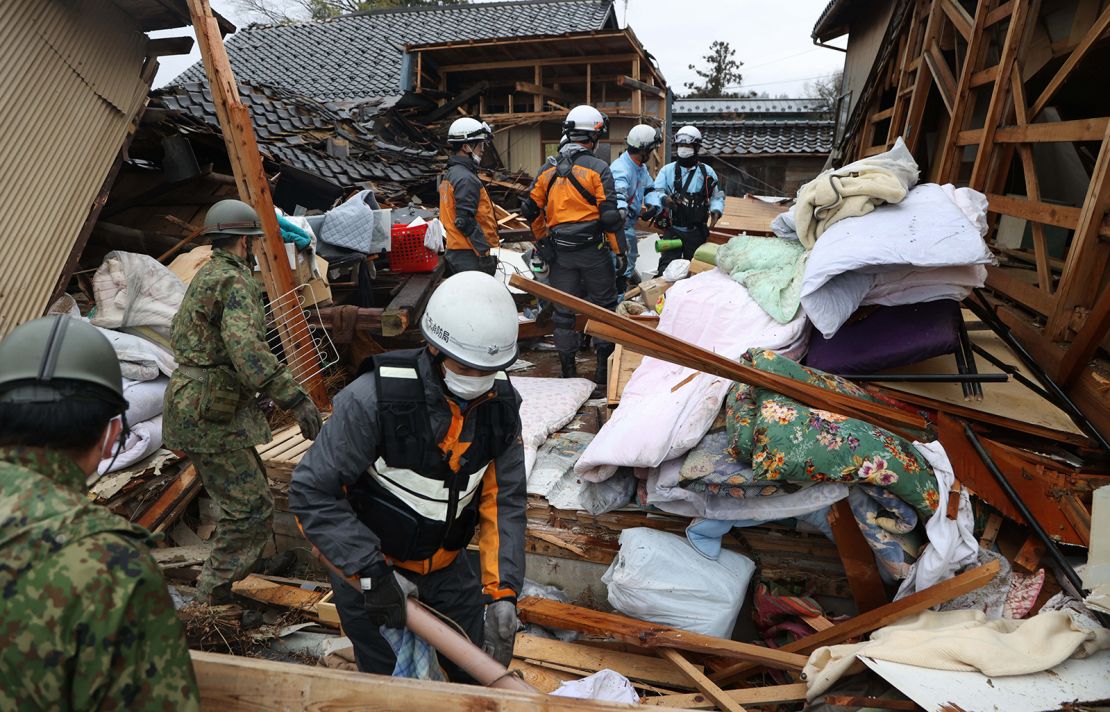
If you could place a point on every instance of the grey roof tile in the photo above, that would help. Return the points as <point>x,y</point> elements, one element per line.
<point>359,55</point>
<point>739,138</point>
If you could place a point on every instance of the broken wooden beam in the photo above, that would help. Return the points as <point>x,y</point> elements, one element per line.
<point>587,659</point>
<point>232,682</point>
<point>707,686</point>
<point>867,586</point>
<point>773,695</point>
<point>882,616</point>
<point>170,505</point>
<point>626,81</point>
<point>553,614</point>
<point>404,311</point>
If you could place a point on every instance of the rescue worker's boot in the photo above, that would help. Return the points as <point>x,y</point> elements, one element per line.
<point>279,564</point>
<point>566,365</point>
<point>601,376</point>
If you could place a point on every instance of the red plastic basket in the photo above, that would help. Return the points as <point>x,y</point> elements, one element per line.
<point>407,252</point>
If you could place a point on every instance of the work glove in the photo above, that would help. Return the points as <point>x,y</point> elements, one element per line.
<point>488,264</point>
<point>624,214</point>
<point>308,418</point>
<point>714,217</point>
<point>622,263</point>
<point>649,212</point>
<point>502,624</point>
<point>386,597</point>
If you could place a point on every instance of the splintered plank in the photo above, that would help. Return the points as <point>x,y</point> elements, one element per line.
<point>172,502</point>
<point>703,683</point>
<point>650,635</point>
<point>590,659</point>
<point>859,560</point>
<point>278,594</point>
<point>773,695</point>
<point>404,311</point>
<point>883,615</point>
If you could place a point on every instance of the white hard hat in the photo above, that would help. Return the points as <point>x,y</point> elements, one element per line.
<point>471,317</point>
<point>585,122</point>
<point>686,135</point>
<point>643,137</point>
<point>466,130</point>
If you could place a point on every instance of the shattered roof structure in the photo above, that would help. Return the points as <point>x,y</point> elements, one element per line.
<point>294,130</point>
<point>738,138</point>
<point>362,55</point>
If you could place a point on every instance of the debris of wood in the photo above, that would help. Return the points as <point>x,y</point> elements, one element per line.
<point>703,683</point>
<point>775,694</point>
<point>180,556</point>
<point>588,659</point>
<point>883,615</point>
<point>170,505</point>
<point>553,614</point>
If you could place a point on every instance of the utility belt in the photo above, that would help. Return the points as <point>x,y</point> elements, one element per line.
<point>575,236</point>
<point>689,211</point>
<point>221,393</point>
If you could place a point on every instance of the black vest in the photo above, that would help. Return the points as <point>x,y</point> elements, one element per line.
<point>406,442</point>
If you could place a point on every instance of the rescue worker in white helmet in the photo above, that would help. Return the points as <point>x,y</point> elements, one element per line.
<point>632,180</point>
<point>691,193</point>
<point>422,446</point>
<point>577,199</point>
<point>464,205</point>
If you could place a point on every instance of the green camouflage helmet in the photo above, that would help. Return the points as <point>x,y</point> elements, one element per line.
<point>51,359</point>
<point>231,217</point>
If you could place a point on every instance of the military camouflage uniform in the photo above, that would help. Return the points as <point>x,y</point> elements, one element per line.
<point>85,619</point>
<point>219,330</point>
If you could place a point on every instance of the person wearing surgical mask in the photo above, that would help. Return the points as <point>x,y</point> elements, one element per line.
<point>423,446</point>
<point>690,192</point>
<point>464,205</point>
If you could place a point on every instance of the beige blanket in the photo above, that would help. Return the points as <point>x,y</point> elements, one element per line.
<point>852,191</point>
<point>961,641</point>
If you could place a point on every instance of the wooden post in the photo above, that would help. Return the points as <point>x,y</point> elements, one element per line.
<point>537,100</point>
<point>254,188</point>
<point>589,81</point>
<point>637,95</point>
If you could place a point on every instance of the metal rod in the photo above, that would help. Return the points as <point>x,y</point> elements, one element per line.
<point>1015,372</point>
<point>1015,499</point>
<point>969,359</point>
<point>1065,403</point>
<point>931,377</point>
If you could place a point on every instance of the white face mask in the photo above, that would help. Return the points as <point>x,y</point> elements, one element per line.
<point>685,151</point>
<point>467,387</point>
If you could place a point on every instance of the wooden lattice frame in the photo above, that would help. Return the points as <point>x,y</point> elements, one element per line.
<point>1071,313</point>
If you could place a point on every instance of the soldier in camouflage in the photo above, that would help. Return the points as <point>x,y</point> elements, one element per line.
<point>85,619</point>
<point>219,342</point>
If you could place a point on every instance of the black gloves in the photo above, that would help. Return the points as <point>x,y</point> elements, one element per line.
<point>308,419</point>
<point>622,264</point>
<point>466,223</point>
<point>529,209</point>
<point>649,212</point>
<point>385,599</point>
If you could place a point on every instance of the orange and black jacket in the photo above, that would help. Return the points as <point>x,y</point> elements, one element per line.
<point>392,481</point>
<point>575,195</point>
<point>465,208</point>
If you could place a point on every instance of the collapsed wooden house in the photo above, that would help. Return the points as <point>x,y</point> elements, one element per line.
<point>1008,98</point>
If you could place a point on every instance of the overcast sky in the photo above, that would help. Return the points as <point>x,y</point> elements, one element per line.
<point>771,38</point>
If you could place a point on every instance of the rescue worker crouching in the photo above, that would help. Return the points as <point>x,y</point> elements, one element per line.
<point>632,180</point>
<point>423,445</point>
<point>690,191</point>
<point>576,196</point>
<point>219,341</point>
<point>464,205</point>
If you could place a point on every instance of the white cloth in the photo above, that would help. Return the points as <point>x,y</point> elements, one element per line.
<point>952,545</point>
<point>654,423</point>
<point>603,685</point>
<point>140,360</point>
<point>547,404</point>
<point>898,254</point>
<point>144,398</point>
<point>961,640</point>
<point>145,438</point>
<point>135,290</point>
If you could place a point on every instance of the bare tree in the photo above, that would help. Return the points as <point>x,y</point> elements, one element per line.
<point>827,89</point>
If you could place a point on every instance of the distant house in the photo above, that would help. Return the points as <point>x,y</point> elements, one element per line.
<point>760,146</point>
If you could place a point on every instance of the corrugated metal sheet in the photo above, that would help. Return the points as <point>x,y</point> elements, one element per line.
<point>71,86</point>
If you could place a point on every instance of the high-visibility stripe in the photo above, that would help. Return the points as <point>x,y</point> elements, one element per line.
<point>424,495</point>
<point>397,372</point>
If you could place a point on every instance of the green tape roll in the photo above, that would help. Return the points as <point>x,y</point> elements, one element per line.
<point>664,245</point>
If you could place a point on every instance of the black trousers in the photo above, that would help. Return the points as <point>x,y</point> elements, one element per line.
<point>454,591</point>
<point>469,261</point>
<point>691,241</point>
<point>588,274</point>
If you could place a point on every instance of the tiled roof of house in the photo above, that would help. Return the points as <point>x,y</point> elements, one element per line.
<point>359,55</point>
<point>717,106</point>
<point>739,138</point>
